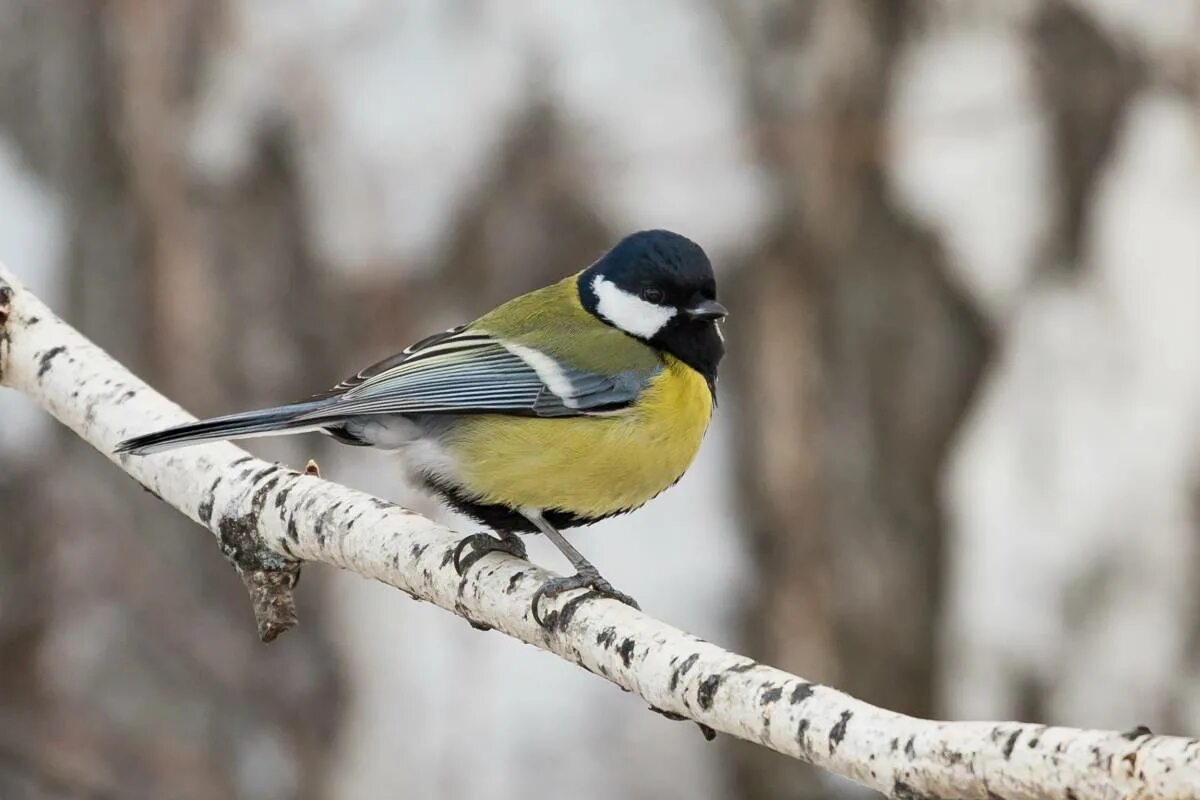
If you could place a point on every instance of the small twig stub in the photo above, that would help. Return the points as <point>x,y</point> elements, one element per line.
<point>273,600</point>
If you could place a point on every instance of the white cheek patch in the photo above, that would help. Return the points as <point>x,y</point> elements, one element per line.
<point>629,312</point>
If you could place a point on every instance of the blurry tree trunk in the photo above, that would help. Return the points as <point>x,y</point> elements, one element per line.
<point>529,219</point>
<point>1086,82</point>
<point>1094,345</point>
<point>852,374</point>
<point>129,589</point>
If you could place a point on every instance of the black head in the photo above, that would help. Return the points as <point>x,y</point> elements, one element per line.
<point>658,286</point>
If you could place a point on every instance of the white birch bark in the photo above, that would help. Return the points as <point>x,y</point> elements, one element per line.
<point>268,519</point>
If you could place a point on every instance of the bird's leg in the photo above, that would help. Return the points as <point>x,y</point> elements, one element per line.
<point>480,544</point>
<point>586,575</point>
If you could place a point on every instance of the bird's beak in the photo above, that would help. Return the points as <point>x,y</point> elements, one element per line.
<point>707,310</point>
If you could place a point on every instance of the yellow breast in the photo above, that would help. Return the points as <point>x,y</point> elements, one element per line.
<point>590,466</point>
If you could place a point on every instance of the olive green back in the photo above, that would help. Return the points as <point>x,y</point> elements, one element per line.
<point>553,321</point>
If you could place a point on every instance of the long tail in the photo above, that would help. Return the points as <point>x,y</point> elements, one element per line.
<point>265,422</point>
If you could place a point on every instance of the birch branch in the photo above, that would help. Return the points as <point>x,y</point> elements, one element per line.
<point>268,519</point>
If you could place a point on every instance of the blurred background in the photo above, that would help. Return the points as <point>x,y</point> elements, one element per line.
<point>956,466</point>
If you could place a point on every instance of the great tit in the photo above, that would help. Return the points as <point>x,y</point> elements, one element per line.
<point>562,407</point>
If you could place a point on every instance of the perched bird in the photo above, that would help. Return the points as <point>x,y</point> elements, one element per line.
<point>561,407</point>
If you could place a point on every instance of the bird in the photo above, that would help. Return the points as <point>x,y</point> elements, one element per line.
<point>564,406</point>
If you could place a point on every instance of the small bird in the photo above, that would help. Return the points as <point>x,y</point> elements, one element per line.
<point>561,407</point>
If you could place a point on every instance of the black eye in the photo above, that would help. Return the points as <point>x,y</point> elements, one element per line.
<point>652,294</point>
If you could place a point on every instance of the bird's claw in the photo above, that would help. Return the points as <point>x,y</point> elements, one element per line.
<point>584,579</point>
<point>480,545</point>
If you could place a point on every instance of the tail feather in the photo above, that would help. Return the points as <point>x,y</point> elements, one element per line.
<point>265,422</point>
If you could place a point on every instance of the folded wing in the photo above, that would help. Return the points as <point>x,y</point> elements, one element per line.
<point>466,371</point>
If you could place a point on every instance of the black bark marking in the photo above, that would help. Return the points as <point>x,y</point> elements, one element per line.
<point>417,550</point>
<point>708,689</point>
<point>46,361</point>
<point>770,695</point>
<point>281,498</point>
<point>1011,743</point>
<point>746,667</point>
<point>241,544</point>
<point>564,617</point>
<point>319,530</point>
<point>682,669</point>
<point>1066,43</point>
<point>802,692</point>
<point>237,462</point>
<point>5,308</point>
<point>1137,733</point>
<point>513,580</point>
<point>264,472</point>
<point>838,732</point>
<point>605,639</point>
<point>802,737</point>
<point>205,511</point>
<point>292,532</point>
<point>910,748</point>
<point>625,650</point>
<point>260,496</point>
<point>447,557</point>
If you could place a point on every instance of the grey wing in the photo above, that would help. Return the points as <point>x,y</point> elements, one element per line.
<point>465,371</point>
<point>391,361</point>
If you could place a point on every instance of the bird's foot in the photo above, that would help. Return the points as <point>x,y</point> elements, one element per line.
<point>584,579</point>
<point>480,544</point>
